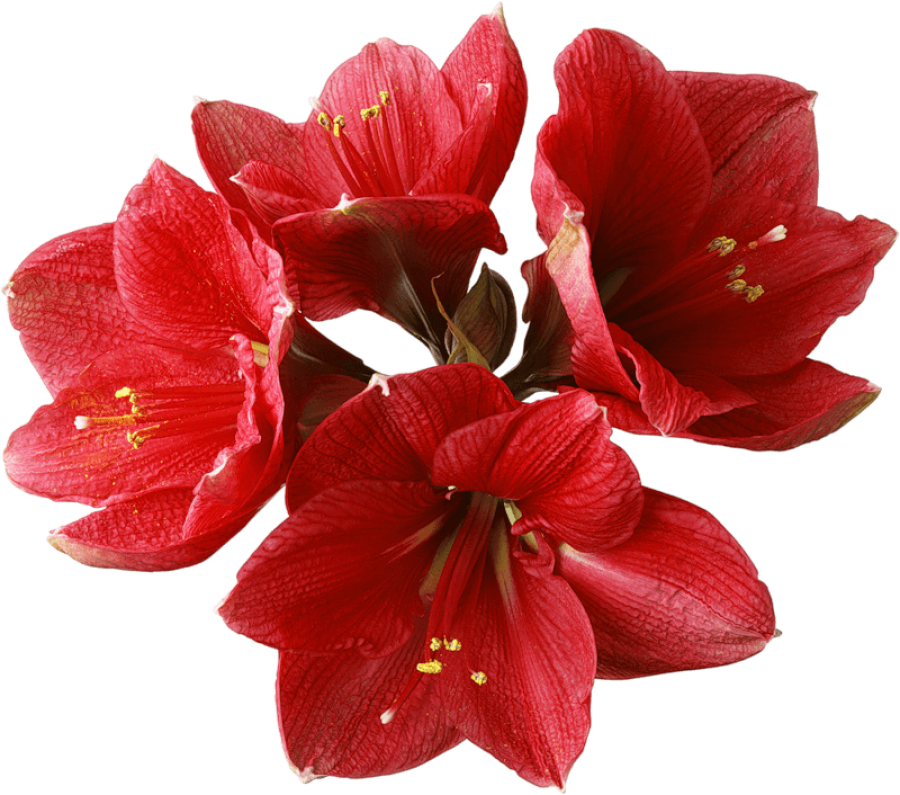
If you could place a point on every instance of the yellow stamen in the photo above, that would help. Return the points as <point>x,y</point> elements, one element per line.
<point>737,286</point>
<point>431,667</point>
<point>738,270</point>
<point>370,113</point>
<point>124,392</point>
<point>260,353</point>
<point>724,245</point>
<point>452,645</point>
<point>323,119</point>
<point>435,644</point>
<point>338,125</point>
<point>479,677</point>
<point>385,97</point>
<point>753,293</point>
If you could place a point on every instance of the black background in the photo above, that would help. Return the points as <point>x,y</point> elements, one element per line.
<point>131,678</point>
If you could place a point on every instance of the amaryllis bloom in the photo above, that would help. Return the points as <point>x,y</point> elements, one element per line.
<point>387,184</point>
<point>159,337</point>
<point>459,565</point>
<point>686,247</point>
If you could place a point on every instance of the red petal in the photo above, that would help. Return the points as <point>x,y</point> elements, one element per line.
<point>818,272</point>
<point>595,360</point>
<point>625,149</point>
<point>230,135</point>
<point>98,464</point>
<point>272,191</point>
<point>491,118</point>
<point>382,254</point>
<point>424,121</point>
<point>144,534</point>
<point>394,428</point>
<point>760,134</point>
<point>332,576</point>
<point>679,594</point>
<point>801,405</point>
<point>183,269</point>
<point>554,459</point>
<point>64,302</point>
<point>529,635</point>
<point>329,709</point>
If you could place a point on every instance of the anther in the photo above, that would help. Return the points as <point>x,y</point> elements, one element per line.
<point>738,270</point>
<point>753,293</point>
<point>451,645</point>
<point>338,126</point>
<point>385,97</point>
<point>435,644</point>
<point>323,119</point>
<point>430,667</point>
<point>737,286</point>
<point>479,677</point>
<point>724,245</point>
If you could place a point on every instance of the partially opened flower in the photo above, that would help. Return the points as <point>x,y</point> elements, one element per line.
<point>159,337</point>
<point>458,565</point>
<point>387,184</point>
<point>685,244</point>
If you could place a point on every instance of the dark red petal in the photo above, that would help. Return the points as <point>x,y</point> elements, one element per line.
<point>343,571</point>
<point>679,594</point>
<point>485,78</point>
<point>528,634</point>
<point>805,403</point>
<point>143,534</point>
<point>229,135</point>
<point>329,709</point>
<point>625,149</point>
<point>392,430</point>
<point>548,342</point>
<point>97,464</point>
<point>760,134</point>
<point>382,254</point>
<point>64,303</point>
<point>272,191</point>
<point>183,269</point>
<point>555,460</point>
<point>818,272</point>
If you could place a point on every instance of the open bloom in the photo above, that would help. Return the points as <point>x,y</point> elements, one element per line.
<point>458,565</point>
<point>686,247</point>
<point>159,337</point>
<point>387,184</point>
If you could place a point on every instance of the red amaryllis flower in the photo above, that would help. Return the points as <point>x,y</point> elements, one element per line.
<point>159,337</point>
<point>460,565</point>
<point>386,185</point>
<point>685,245</point>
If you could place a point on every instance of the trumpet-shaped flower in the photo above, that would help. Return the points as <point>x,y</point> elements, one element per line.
<point>458,565</point>
<point>685,244</point>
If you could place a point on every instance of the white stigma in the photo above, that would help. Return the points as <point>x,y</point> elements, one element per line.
<point>775,234</point>
<point>82,422</point>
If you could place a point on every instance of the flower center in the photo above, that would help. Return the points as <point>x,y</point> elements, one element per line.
<point>456,571</point>
<point>369,169</point>
<point>698,284</point>
<point>171,411</point>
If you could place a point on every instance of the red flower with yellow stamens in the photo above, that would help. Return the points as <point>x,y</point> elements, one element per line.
<point>452,571</point>
<point>386,186</point>
<point>695,270</point>
<point>160,338</point>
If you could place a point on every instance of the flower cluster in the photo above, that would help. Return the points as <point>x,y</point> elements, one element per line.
<point>456,563</point>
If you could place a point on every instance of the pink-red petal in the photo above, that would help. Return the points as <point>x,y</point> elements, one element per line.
<point>64,303</point>
<point>183,269</point>
<point>679,594</point>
